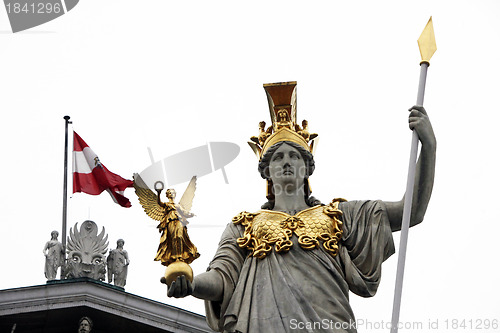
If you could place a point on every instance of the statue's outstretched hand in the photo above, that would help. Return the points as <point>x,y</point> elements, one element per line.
<point>181,287</point>
<point>419,121</point>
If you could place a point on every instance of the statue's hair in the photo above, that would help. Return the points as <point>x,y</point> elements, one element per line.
<point>87,319</point>
<point>308,161</point>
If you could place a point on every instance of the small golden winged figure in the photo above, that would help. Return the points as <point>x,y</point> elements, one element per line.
<point>175,245</point>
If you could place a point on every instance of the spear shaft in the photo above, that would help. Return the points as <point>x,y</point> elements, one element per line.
<point>427,46</point>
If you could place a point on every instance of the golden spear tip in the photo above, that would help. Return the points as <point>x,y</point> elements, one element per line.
<point>427,42</point>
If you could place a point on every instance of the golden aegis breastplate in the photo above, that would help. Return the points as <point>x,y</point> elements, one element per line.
<point>314,227</point>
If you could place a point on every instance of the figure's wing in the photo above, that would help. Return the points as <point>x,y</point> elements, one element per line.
<point>148,199</point>
<point>186,201</point>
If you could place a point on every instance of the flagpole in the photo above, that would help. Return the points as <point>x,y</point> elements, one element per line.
<point>65,189</point>
<point>427,45</point>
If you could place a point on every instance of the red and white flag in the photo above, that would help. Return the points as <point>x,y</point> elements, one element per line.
<point>91,176</point>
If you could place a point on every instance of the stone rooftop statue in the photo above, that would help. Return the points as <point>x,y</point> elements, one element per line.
<point>118,262</point>
<point>54,256</point>
<point>86,252</point>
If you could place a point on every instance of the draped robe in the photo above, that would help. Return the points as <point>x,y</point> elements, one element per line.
<point>301,290</point>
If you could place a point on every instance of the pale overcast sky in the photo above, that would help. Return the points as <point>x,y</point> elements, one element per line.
<point>173,75</point>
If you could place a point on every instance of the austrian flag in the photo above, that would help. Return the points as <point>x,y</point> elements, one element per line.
<point>91,176</point>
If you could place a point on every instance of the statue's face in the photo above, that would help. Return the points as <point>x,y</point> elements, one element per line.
<point>84,327</point>
<point>171,193</point>
<point>282,114</point>
<point>287,167</point>
<point>87,264</point>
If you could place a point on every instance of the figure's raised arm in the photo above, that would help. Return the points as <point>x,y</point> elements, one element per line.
<point>424,177</point>
<point>158,200</point>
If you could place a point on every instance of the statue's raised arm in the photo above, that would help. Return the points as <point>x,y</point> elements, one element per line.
<point>425,170</point>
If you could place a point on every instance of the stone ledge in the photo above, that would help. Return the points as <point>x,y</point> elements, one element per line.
<point>62,294</point>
